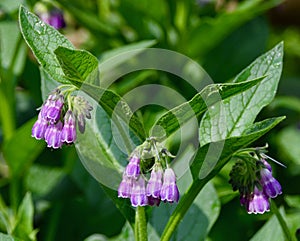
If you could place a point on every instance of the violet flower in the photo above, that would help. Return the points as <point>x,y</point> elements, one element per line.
<point>169,191</point>
<point>155,182</point>
<point>133,167</point>
<point>39,128</point>
<point>68,133</point>
<point>258,202</point>
<point>271,186</point>
<point>125,187</point>
<point>52,135</point>
<point>138,193</point>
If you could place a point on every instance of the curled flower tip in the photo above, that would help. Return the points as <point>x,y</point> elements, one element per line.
<point>39,128</point>
<point>169,191</point>
<point>271,186</point>
<point>138,193</point>
<point>68,133</point>
<point>258,202</point>
<point>133,167</point>
<point>155,182</point>
<point>82,109</point>
<point>124,190</point>
<point>52,135</point>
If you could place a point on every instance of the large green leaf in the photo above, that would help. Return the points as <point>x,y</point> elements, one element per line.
<point>208,161</point>
<point>173,119</point>
<point>81,68</point>
<point>77,65</point>
<point>43,40</point>
<point>232,116</point>
<point>18,161</point>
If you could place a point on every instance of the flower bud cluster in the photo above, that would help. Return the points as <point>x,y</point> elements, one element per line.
<point>160,186</point>
<point>57,120</point>
<point>252,176</point>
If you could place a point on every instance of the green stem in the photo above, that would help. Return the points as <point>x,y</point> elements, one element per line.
<point>183,206</point>
<point>14,193</point>
<point>140,230</point>
<point>282,222</point>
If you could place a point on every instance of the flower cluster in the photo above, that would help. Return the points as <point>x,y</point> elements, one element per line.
<point>142,191</point>
<point>56,122</point>
<point>252,176</point>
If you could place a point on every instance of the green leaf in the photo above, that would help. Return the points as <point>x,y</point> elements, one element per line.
<point>43,40</point>
<point>211,31</point>
<point>173,119</point>
<point>77,65</point>
<point>103,157</point>
<point>232,116</point>
<point>270,230</point>
<point>42,179</point>
<point>126,48</point>
<point>288,140</point>
<point>12,49</point>
<point>24,220</point>
<point>18,161</point>
<point>199,219</point>
<point>208,161</point>
<point>6,237</point>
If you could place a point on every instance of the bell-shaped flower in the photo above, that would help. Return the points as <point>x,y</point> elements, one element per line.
<point>52,135</point>
<point>138,193</point>
<point>271,186</point>
<point>258,202</point>
<point>68,133</point>
<point>155,182</point>
<point>39,128</point>
<point>125,187</point>
<point>133,167</point>
<point>169,191</point>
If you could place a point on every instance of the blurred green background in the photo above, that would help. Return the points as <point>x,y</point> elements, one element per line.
<point>66,203</point>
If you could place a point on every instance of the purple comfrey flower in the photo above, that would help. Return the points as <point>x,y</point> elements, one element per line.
<point>138,193</point>
<point>55,18</point>
<point>125,187</point>
<point>258,202</point>
<point>169,191</point>
<point>133,167</point>
<point>52,135</point>
<point>68,133</point>
<point>39,128</point>
<point>155,182</point>
<point>51,110</point>
<point>266,164</point>
<point>271,186</point>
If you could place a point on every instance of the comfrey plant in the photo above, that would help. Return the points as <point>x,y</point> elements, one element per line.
<point>59,116</point>
<point>161,186</point>
<point>252,177</point>
<point>148,179</point>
